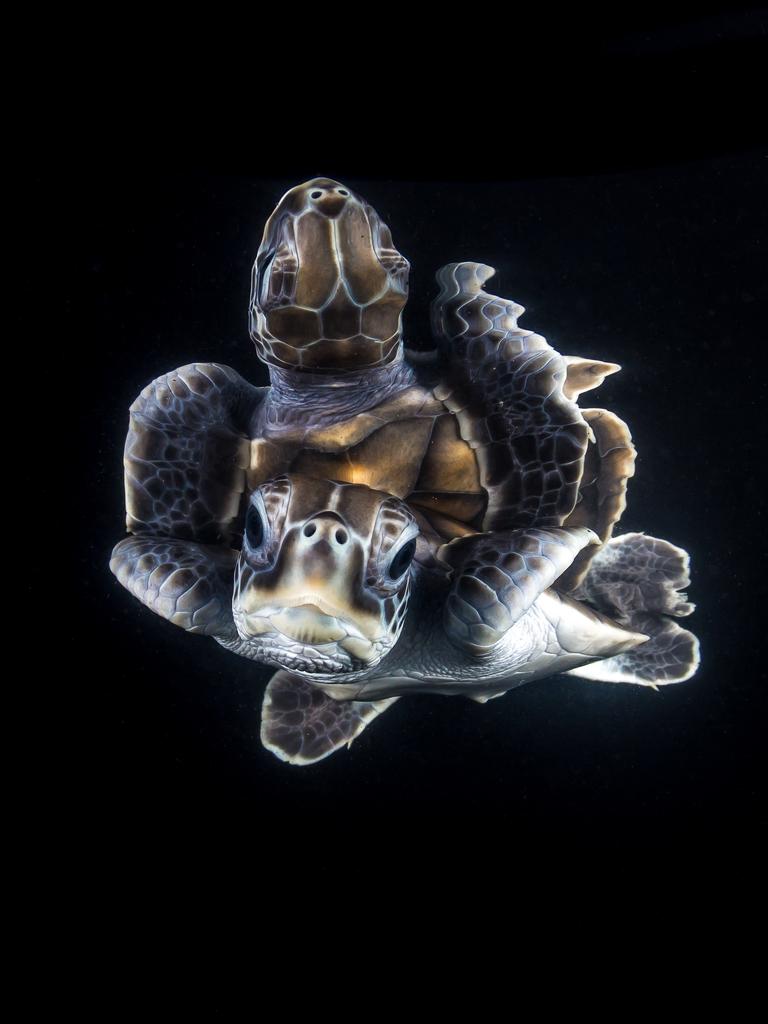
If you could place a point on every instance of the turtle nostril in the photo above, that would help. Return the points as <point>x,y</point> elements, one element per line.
<point>341,536</point>
<point>310,529</point>
<point>328,203</point>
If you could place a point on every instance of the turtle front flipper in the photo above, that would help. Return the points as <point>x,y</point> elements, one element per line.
<point>187,452</point>
<point>506,387</point>
<point>189,584</point>
<point>301,725</point>
<point>497,577</point>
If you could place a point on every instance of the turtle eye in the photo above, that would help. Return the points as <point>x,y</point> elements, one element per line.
<point>402,560</point>
<point>254,527</point>
<point>263,274</point>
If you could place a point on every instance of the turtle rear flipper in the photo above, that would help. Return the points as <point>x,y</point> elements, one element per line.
<point>637,580</point>
<point>585,375</point>
<point>670,656</point>
<point>301,725</point>
<point>635,573</point>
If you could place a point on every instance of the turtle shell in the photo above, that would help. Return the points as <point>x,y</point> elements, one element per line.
<point>484,435</point>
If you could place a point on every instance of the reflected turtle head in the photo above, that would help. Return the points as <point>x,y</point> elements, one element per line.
<point>328,286</point>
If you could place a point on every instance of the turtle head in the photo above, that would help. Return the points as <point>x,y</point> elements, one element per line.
<point>328,286</point>
<point>323,578</point>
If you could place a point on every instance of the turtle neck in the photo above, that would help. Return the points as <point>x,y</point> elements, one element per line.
<point>298,396</point>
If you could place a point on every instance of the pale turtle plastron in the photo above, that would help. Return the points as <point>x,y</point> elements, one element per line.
<point>377,523</point>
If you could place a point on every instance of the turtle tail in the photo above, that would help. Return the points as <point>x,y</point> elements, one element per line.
<point>638,581</point>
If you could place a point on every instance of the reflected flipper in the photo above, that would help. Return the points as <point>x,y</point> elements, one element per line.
<point>187,452</point>
<point>506,387</point>
<point>301,725</point>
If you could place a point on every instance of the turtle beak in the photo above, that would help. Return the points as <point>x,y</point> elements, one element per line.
<point>314,597</point>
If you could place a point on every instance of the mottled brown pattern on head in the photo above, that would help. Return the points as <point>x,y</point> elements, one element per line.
<point>328,286</point>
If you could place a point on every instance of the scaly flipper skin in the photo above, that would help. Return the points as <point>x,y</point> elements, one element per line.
<point>300,725</point>
<point>497,577</point>
<point>187,452</point>
<point>505,386</point>
<point>185,460</point>
<point>608,466</point>
<point>637,580</point>
<point>189,584</point>
<point>670,656</point>
<point>638,573</point>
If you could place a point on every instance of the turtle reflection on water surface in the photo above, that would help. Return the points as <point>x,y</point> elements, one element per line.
<point>378,522</point>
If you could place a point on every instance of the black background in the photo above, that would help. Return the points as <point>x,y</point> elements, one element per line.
<point>628,218</point>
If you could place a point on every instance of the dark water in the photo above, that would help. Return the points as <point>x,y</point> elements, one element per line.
<point>661,269</point>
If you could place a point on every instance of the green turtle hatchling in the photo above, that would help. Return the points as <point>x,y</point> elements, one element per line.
<point>379,522</point>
